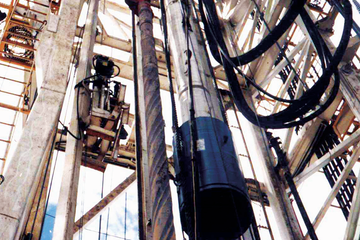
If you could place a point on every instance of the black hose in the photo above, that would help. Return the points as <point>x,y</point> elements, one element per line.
<point>68,131</point>
<point>213,22</point>
<point>295,114</point>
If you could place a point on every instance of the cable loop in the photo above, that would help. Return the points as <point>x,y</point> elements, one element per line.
<point>300,110</point>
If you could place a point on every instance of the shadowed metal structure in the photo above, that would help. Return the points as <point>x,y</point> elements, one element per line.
<point>246,106</point>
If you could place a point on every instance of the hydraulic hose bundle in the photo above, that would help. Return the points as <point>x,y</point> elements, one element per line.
<point>300,110</point>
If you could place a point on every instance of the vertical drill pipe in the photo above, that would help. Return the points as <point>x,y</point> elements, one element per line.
<point>139,177</point>
<point>162,218</point>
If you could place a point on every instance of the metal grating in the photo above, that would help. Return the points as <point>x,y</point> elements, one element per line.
<point>333,170</point>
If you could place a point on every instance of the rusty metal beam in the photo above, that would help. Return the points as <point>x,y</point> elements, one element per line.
<point>103,204</point>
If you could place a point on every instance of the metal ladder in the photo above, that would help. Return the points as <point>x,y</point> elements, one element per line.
<point>332,171</point>
<point>19,36</point>
<point>23,24</point>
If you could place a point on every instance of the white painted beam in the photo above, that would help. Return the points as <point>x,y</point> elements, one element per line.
<point>287,225</point>
<point>23,172</point>
<point>340,181</point>
<point>261,66</point>
<point>328,157</point>
<point>264,80</point>
<point>65,212</point>
<point>353,224</point>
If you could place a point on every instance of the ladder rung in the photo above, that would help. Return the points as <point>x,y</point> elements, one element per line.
<point>21,69</point>
<point>21,36</point>
<point>29,18</point>
<point>14,108</point>
<point>24,58</point>
<point>30,9</point>
<point>7,141</point>
<point>44,5</point>
<point>25,25</point>
<point>10,93</point>
<point>7,124</point>
<point>17,62</point>
<point>3,5</point>
<point>12,80</point>
<point>20,45</point>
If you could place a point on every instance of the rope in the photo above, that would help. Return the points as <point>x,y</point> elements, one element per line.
<point>50,185</point>
<point>252,170</point>
<point>192,121</point>
<point>43,182</point>
<point>101,196</point>
<point>108,215</point>
<point>169,74</point>
<point>125,215</point>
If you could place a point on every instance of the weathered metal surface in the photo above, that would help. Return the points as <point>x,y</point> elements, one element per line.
<point>100,132</point>
<point>23,172</point>
<point>287,224</point>
<point>65,212</point>
<point>38,208</point>
<point>162,218</point>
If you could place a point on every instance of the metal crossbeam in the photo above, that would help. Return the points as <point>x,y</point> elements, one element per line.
<point>324,160</point>
<point>344,175</point>
<point>103,204</point>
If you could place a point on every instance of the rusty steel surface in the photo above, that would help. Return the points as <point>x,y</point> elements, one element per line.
<point>162,218</point>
